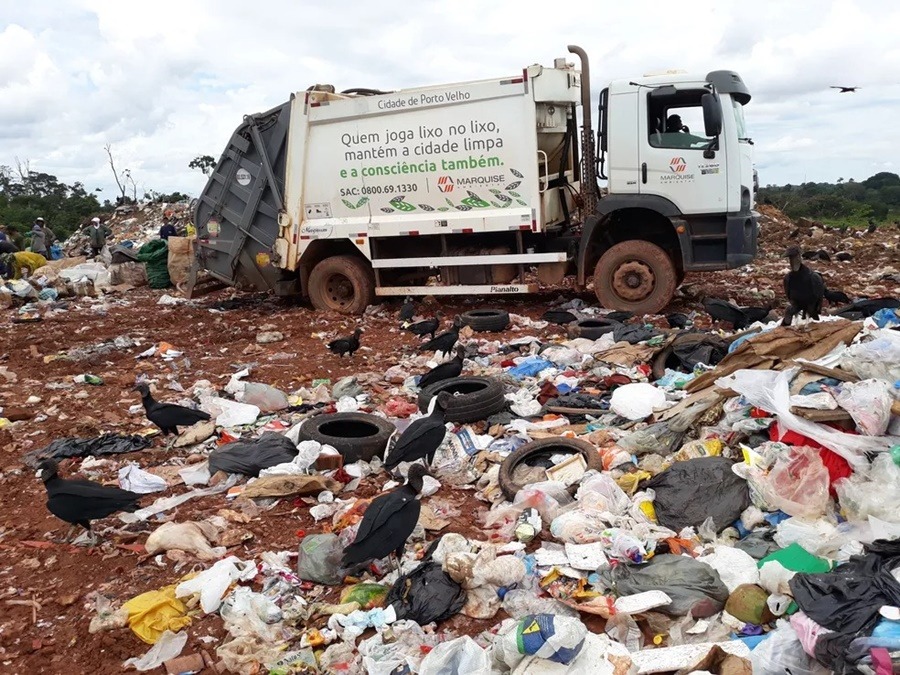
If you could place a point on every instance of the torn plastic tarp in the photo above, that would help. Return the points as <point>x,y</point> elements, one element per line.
<point>693,586</point>
<point>770,390</point>
<point>251,457</point>
<point>689,492</point>
<point>848,599</point>
<point>107,444</point>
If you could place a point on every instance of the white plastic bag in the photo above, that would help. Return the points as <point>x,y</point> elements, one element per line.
<point>637,400</point>
<point>782,653</point>
<point>461,656</point>
<point>167,647</point>
<point>229,413</point>
<point>132,477</point>
<point>798,484</point>
<point>735,567</point>
<point>879,358</point>
<point>211,584</point>
<point>873,493</point>
<point>869,404</point>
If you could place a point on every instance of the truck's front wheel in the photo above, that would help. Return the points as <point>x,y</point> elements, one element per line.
<point>635,276</point>
<point>342,284</point>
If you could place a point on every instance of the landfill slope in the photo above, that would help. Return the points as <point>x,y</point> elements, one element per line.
<point>47,588</point>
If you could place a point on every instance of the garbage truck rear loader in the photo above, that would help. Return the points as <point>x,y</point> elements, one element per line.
<point>485,187</point>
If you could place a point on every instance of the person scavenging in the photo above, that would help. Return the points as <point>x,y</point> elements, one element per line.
<point>97,234</point>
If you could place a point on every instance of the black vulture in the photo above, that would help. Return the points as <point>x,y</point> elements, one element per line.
<point>844,256</point>
<point>427,327</point>
<point>346,345</point>
<point>678,320</point>
<point>804,288</point>
<point>387,522</point>
<point>445,341</point>
<point>168,416</point>
<point>407,311</point>
<point>78,502</point>
<point>739,317</point>
<point>422,438</point>
<point>444,371</point>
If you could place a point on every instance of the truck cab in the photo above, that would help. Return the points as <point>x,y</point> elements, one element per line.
<point>679,165</point>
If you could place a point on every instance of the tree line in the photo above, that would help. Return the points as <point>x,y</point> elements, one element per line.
<point>876,199</point>
<point>26,195</point>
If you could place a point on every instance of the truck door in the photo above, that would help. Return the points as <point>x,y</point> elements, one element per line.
<point>672,144</point>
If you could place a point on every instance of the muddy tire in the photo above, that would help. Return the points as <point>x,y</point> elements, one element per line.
<point>486,320</point>
<point>356,436</point>
<point>472,398</point>
<point>635,276</point>
<point>592,329</point>
<point>542,449</point>
<point>342,283</point>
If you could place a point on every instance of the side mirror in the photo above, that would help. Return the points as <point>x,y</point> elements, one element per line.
<point>712,115</point>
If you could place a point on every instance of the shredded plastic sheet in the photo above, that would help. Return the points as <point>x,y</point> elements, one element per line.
<point>770,390</point>
<point>167,503</point>
<point>166,648</point>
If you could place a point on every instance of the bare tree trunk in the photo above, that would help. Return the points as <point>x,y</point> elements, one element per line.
<point>23,168</point>
<point>112,165</point>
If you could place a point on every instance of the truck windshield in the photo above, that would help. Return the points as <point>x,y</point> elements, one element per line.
<point>739,121</point>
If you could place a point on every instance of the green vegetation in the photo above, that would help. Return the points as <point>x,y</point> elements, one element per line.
<point>25,195</point>
<point>846,202</point>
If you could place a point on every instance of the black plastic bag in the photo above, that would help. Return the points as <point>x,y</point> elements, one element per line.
<point>251,457</point>
<point>694,587</point>
<point>848,598</point>
<point>633,333</point>
<point>107,444</point>
<point>689,492</point>
<point>426,594</point>
<point>708,350</point>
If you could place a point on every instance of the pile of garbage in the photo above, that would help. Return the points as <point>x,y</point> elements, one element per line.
<point>119,268</point>
<point>134,225</point>
<point>651,501</point>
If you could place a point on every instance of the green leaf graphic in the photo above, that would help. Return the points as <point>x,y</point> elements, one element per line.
<point>349,205</point>
<point>513,186</point>
<point>515,194</point>
<point>362,201</point>
<point>522,203</point>
<point>516,173</point>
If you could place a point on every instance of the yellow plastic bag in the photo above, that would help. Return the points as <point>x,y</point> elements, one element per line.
<point>151,614</point>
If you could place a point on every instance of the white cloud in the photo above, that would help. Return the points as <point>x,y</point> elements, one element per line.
<point>166,81</point>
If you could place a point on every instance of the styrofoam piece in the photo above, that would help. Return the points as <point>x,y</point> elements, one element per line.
<point>669,659</point>
<point>642,602</point>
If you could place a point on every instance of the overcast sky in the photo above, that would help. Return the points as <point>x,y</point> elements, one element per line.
<point>165,81</point>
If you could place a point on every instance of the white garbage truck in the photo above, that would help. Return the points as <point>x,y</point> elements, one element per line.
<point>485,187</point>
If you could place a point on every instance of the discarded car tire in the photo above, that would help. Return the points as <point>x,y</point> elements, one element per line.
<point>635,276</point>
<point>342,283</point>
<point>357,436</point>
<point>592,329</point>
<point>472,398</point>
<point>542,450</point>
<point>486,320</point>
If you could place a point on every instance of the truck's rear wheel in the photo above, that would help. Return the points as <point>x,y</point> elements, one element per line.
<point>343,284</point>
<point>635,276</point>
